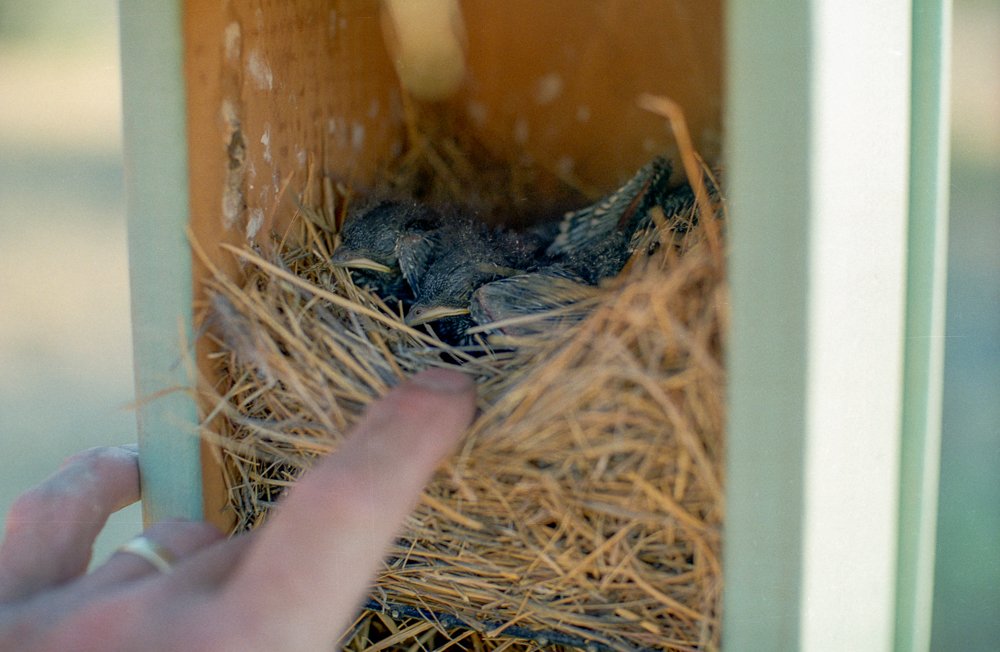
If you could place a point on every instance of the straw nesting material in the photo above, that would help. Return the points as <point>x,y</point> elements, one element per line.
<point>584,507</point>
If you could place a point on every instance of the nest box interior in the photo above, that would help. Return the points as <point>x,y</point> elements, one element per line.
<point>284,94</point>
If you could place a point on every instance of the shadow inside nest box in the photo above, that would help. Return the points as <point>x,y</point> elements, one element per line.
<point>399,612</point>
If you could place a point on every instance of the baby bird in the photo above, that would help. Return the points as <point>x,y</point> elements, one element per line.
<point>370,244</point>
<point>464,255</point>
<point>604,232</point>
<point>514,303</point>
<point>457,272</point>
<point>593,243</point>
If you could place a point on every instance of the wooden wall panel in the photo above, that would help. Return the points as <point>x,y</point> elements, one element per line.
<point>275,87</point>
<point>558,80</point>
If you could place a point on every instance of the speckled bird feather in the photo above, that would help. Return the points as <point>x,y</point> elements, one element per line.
<point>620,211</point>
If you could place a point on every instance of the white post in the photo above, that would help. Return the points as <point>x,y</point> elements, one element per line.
<point>819,155</point>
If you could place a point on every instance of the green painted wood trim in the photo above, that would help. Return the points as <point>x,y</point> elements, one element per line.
<point>768,132</point>
<point>156,177</point>
<point>818,148</point>
<point>925,322</point>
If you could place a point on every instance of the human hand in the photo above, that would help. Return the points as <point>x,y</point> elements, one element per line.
<point>293,584</point>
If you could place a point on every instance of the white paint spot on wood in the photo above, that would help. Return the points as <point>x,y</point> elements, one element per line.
<point>232,201</point>
<point>565,166</point>
<point>301,157</point>
<point>548,88</point>
<point>265,140</point>
<point>232,194</point>
<point>357,135</point>
<point>229,115</point>
<point>478,112</point>
<point>521,131</point>
<point>260,71</point>
<point>338,130</point>
<point>233,41</point>
<point>255,221</point>
<point>582,113</point>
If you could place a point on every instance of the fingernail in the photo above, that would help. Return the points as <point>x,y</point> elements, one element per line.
<point>442,380</point>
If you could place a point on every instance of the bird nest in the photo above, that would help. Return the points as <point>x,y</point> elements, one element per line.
<point>584,507</point>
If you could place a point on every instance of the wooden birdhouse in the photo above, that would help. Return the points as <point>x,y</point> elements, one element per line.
<point>824,121</point>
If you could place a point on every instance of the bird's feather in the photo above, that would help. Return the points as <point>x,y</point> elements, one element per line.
<point>528,302</point>
<point>620,211</point>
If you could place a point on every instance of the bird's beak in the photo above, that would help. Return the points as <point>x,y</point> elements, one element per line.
<point>354,260</point>
<point>420,315</point>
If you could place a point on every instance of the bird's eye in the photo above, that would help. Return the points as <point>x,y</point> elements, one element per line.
<point>420,224</point>
<point>386,239</point>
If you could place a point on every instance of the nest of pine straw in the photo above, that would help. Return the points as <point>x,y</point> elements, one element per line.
<point>585,506</point>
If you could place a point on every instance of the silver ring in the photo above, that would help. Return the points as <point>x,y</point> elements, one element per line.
<point>141,546</point>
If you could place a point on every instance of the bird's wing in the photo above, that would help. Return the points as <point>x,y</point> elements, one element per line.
<point>415,253</point>
<point>616,212</point>
<point>678,213</point>
<point>515,302</point>
<point>496,270</point>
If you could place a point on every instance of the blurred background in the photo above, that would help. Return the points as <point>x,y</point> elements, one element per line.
<point>967,578</point>
<point>65,342</point>
<point>65,338</point>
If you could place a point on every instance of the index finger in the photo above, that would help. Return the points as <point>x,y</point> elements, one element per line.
<point>51,528</point>
<point>305,575</point>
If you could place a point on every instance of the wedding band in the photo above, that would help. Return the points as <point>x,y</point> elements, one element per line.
<point>151,551</point>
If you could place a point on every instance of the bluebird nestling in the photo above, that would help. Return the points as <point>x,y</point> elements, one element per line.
<point>464,255</point>
<point>518,299</point>
<point>370,242</point>
<point>596,242</point>
<point>458,271</point>
<point>592,244</point>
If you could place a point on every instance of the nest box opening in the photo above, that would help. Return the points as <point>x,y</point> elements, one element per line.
<point>515,110</point>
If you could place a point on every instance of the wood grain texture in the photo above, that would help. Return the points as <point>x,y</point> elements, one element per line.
<point>558,80</point>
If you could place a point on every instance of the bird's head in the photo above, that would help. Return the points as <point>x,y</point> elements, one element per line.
<point>369,238</point>
<point>426,312</point>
